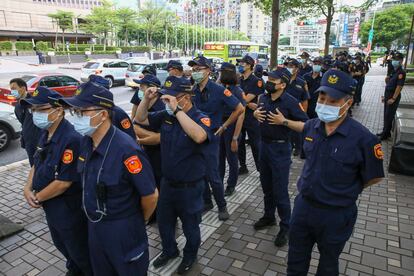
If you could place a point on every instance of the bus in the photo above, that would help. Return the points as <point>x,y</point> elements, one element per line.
<point>229,51</point>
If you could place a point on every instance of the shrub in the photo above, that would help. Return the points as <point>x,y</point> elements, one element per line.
<point>6,46</point>
<point>135,49</point>
<point>42,45</point>
<point>24,46</point>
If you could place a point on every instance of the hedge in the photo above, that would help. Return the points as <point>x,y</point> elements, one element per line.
<point>6,46</point>
<point>42,45</point>
<point>139,49</point>
<point>23,45</point>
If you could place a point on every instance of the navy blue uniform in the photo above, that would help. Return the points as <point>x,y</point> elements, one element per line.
<point>336,168</point>
<point>56,160</point>
<point>251,85</point>
<point>115,176</point>
<point>212,101</point>
<point>313,85</point>
<point>358,68</point>
<point>225,143</point>
<point>30,133</point>
<point>275,156</point>
<point>304,70</point>
<point>397,78</point>
<point>182,184</point>
<point>121,120</point>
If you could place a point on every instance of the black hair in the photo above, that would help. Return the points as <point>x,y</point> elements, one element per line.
<point>228,77</point>
<point>20,82</point>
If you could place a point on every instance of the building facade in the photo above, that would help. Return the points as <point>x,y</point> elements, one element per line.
<point>255,24</point>
<point>307,35</point>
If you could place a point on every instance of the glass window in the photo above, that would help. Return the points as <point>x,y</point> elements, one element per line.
<point>49,82</point>
<point>91,65</point>
<point>67,81</point>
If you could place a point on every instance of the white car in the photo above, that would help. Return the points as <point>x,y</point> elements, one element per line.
<point>10,127</point>
<point>111,69</point>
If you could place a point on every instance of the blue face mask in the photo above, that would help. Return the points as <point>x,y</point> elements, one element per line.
<point>241,69</point>
<point>140,94</point>
<point>169,110</point>
<point>290,70</point>
<point>329,113</point>
<point>395,63</point>
<point>41,120</point>
<point>316,68</point>
<point>15,93</point>
<point>83,125</point>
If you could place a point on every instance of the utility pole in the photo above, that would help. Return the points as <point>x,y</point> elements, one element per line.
<point>409,43</point>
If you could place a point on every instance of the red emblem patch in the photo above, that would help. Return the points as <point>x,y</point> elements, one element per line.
<point>67,157</point>
<point>379,154</point>
<point>133,164</point>
<point>206,121</point>
<point>227,93</point>
<point>125,123</point>
<point>259,84</point>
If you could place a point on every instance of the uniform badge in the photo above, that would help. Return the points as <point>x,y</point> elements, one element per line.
<point>35,93</point>
<point>400,76</point>
<point>77,92</point>
<point>206,121</point>
<point>333,79</point>
<point>309,139</point>
<point>168,84</point>
<point>125,123</point>
<point>133,164</point>
<point>227,93</point>
<point>67,157</point>
<point>259,84</point>
<point>379,154</point>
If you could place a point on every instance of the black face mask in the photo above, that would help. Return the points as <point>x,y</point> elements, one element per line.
<point>270,87</point>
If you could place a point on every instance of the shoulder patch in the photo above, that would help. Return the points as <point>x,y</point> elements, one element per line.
<point>259,83</point>
<point>125,123</point>
<point>400,76</point>
<point>67,157</point>
<point>206,121</point>
<point>133,164</point>
<point>227,93</point>
<point>379,154</point>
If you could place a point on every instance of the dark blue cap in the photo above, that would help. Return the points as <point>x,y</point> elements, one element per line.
<point>398,56</point>
<point>149,69</point>
<point>42,95</point>
<point>247,59</point>
<point>174,64</point>
<point>90,94</point>
<point>294,62</point>
<point>200,61</point>
<point>149,80</point>
<point>226,66</point>
<point>99,80</point>
<point>318,59</point>
<point>258,69</point>
<point>337,84</point>
<point>174,85</point>
<point>281,73</point>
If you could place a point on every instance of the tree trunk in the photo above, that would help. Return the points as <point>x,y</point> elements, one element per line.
<point>63,40</point>
<point>105,35</point>
<point>166,37</point>
<point>148,38</point>
<point>56,36</point>
<point>126,37</point>
<point>275,33</point>
<point>328,27</point>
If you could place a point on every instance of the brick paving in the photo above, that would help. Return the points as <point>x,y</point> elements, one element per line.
<point>382,242</point>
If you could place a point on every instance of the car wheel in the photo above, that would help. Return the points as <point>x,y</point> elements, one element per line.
<point>111,81</point>
<point>5,137</point>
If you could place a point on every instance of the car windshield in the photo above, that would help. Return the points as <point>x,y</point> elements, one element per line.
<point>136,67</point>
<point>91,65</point>
<point>29,79</point>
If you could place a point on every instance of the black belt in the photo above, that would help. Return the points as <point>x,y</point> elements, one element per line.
<point>319,205</point>
<point>182,185</point>
<point>272,141</point>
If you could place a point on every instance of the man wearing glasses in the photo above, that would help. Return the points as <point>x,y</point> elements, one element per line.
<point>53,182</point>
<point>175,68</point>
<point>119,192</point>
<point>210,98</point>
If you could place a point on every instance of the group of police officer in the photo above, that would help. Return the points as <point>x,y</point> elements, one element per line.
<point>100,174</point>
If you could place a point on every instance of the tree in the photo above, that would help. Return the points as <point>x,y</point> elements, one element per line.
<point>151,17</point>
<point>64,21</point>
<point>126,22</point>
<point>390,26</point>
<point>284,40</point>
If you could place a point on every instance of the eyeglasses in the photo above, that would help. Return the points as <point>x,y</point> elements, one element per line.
<point>80,113</point>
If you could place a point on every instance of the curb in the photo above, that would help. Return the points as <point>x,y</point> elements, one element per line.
<point>70,68</point>
<point>14,165</point>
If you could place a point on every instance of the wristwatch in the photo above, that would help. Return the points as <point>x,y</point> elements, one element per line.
<point>178,109</point>
<point>285,123</point>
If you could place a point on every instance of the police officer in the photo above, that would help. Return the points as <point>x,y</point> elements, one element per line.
<point>120,118</point>
<point>174,68</point>
<point>275,154</point>
<point>299,90</point>
<point>150,80</point>
<point>53,182</point>
<point>149,69</point>
<point>258,71</point>
<point>184,132</point>
<point>30,133</point>
<point>119,192</point>
<point>342,158</point>
<point>358,73</point>
<point>304,67</point>
<point>231,136</point>
<point>392,95</point>
<point>210,98</point>
<point>313,81</point>
<point>252,87</point>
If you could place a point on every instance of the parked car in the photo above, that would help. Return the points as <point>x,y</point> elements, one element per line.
<point>63,84</point>
<point>111,69</point>
<point>260,58</point>
<point>6,97</point>
<point>134,71</point>
<point>10,127</point>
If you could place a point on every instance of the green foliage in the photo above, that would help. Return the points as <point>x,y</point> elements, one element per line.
<point>284,40</point>
<point>135,49</point>
<point>23,45</point>
<point>390,26</point>
<point>6,46</point>
<point>64,19</point>
<point>42,45</point>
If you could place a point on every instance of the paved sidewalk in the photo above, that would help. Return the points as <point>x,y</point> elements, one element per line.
<point>382,243</point>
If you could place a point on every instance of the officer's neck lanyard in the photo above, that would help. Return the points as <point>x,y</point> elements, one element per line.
<point>99,210</point>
